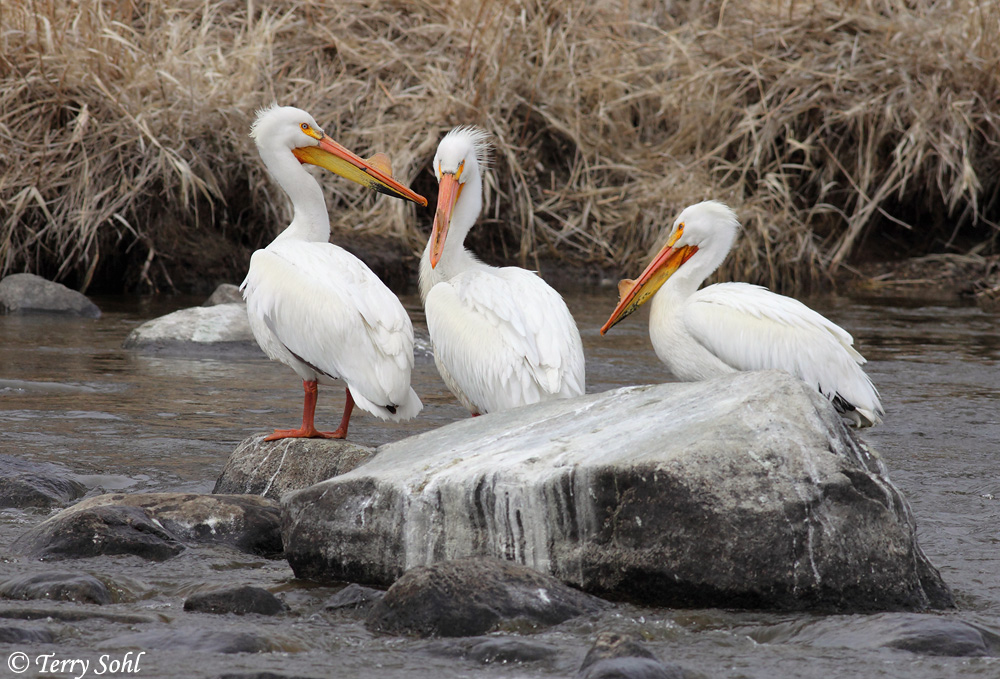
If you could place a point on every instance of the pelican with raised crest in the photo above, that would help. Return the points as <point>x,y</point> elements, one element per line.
<point>314,306</point>
<point>730,327</point>
<point>502,337</point>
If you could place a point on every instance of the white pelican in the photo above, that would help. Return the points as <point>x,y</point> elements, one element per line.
<point>502,337</point>
<point>728,327</point>
<point>314,306</point>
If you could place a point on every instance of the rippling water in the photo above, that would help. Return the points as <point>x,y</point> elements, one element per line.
<point>121,420</point>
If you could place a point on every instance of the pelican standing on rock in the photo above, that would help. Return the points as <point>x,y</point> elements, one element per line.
<point>314,306</point>
<point>729,327</point>
<point>502,337</point>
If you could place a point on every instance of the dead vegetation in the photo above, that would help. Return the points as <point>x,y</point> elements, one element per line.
<point>833,128</point>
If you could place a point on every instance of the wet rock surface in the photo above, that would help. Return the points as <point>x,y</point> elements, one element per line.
<point>273,468</point>
<point>743,491</point>
<point>227,293</point>
<point>238,600</point>
<point>353,596</point>
<point>155,526</point>
<point>917,633</point>
<point>205,640</point>
<point>474,596</point>
<point>14,634</point>
<point>494,650</point>
<point>619,656</point>
<point>78,587</point>
<point>201,330</point>
<point>27,293</point>
<point>30,484</point>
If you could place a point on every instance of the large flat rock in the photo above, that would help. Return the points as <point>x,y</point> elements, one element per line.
<point>743,491</point>
<point>200,330</point>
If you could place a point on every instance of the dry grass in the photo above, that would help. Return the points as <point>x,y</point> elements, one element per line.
<point>829,126</point>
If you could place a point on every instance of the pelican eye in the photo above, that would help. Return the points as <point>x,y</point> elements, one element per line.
<point>305,127</point>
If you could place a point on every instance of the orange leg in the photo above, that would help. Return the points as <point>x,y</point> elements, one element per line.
<point>308,429</point>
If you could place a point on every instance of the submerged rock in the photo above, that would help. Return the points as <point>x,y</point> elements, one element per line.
<point>238,600</point>
<point>221,328</point>
<point>26,293</point>
<point>493,650</point>
<point>205,640</point>
<point>474,596</point>
<point>618,656</point>
<point>272,468</point>
<point>96,531</point>
<point>13,634</point>
<point>742,491</point>
<point>32,484</point>
<point>924,634</point>
<point>226,293</point>
<point>353,596</point>
<point>78,587</point>
<point>155,526</point>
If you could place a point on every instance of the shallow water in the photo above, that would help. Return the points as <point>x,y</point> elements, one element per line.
<point>122,420</point>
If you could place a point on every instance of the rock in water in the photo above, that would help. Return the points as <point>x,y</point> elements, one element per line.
<point>617,656</point>
<point>226,293</point>
<point>79,587</point>
<point>26,293</point>
<point>475,596</point>
<point>741,491</point>
<point>272,468</point>
<point>220,328</point>
<point>239,600</point>
<point>36,484</point>
<point>155,526</point>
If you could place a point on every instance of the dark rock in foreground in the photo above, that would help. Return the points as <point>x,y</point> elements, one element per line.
<point>78,587</point>
<point>200,330</point>
<point>11,634</point>
<point>742,491</point>
<point>617,656</point>
<point>238,600</point>
<point>923,634</point>
<point>209,641</point>
<point>97,531</point>
<point>273,468</point>
<point>353,596</point>
<point>493,650</point>
<point>32,484</point>
<point>469,597</point>
<point>155,526</point>
<point>227,293</point>
<point>26,293</point>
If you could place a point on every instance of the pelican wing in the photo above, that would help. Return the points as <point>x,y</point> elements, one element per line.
<point>751,328</point>
<point>330,311</point>
<point>504,338</point>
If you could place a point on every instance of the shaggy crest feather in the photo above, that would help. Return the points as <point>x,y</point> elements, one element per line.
<point>477,137</point>
<point>259,115</point>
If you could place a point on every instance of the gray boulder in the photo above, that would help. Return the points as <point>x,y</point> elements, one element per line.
<point>155,526</point>
<point>36,484</point>
<point>27,293</point>
<point>474,596</point>
<point>239,600</point>
<point>619,656</point>
<point>79,587</point>
<point>227,293</point>
<point>217,329</point>
<point>742,491</point>
<point>273,468</point>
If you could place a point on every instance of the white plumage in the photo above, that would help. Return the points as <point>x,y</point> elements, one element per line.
<point>729,327</point>
<point>502,337</point>
<point>314,306</point>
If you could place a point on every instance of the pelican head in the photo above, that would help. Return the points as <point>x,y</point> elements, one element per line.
<point>461,156</point>
<point>709,227</point>
<point>285,128</point>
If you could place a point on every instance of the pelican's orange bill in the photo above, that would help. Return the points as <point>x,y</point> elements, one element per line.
<point>449,189</point>
<point>375,175</point>
<point>633,294</point>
